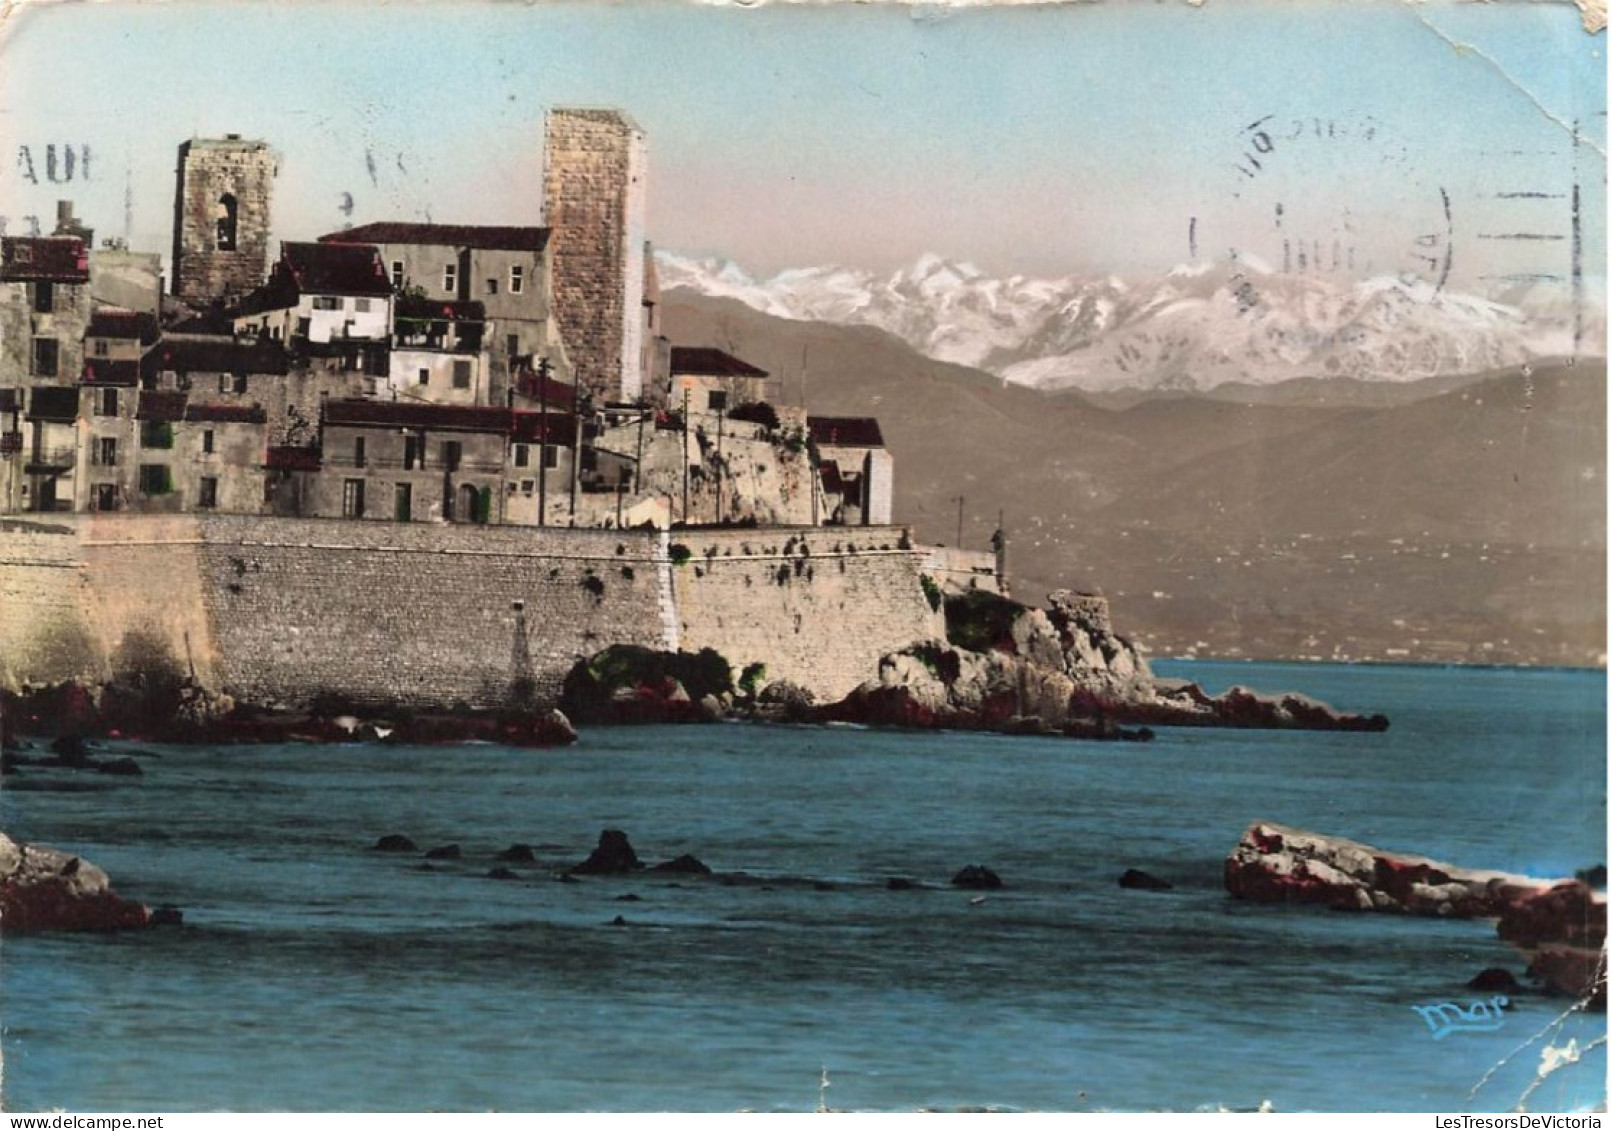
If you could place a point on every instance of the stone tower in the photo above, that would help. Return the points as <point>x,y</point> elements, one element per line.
<point>594,200</point>
<point>221,218</point>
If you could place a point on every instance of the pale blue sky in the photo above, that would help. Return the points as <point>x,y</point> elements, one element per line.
<point>1032,140</point>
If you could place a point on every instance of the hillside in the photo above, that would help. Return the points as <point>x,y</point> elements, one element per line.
<point>1464,525</point>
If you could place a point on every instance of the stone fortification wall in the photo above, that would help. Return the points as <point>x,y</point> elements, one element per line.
<point>420,614</point>
<point>281,611</point>
<point>90,596</point>
<point>817,606</point>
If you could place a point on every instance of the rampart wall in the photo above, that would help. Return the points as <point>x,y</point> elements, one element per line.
<point>817,606</point>
<point>282,611</point>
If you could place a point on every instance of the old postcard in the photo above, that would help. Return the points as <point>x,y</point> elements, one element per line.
<point>887,557</point>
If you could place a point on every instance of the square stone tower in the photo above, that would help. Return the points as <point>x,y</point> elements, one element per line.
<point>595,195</point>
<point>221,218</point>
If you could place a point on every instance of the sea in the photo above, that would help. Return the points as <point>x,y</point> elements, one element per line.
<point>314,973</point>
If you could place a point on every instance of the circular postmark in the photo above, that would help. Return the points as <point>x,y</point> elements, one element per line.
<point>1332,195</point>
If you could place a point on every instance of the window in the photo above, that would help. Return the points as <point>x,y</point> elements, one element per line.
<point>207,442</point>
<point>461,373</point>
<point>227,383</point>
<point>44,297</point>
<point>106,452</point>
<point>425,376</point>
<point>511,345</point>
<point>452,451</point>
<point>106,403</point>
<point>492,286</point>
<point>326,302</point>
<point>522,455</point>
<point>526,486</point>
<point>361,305</point>
<point>208,496</point>
<point>156,434</point>
<point>718,400</point>
<point>358,452</point>
<point>225,214</point>
<point>517,279</point>
<point>397,274</point>
<point>550,456</point>
<point>352,498</point>
<point>450,279</point>
<point>413,452</point>
<point>403,503</point>
<point>45,357</point>
<point>155,479</point>
<point>102,349</point>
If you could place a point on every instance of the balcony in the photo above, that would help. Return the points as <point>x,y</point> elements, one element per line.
<point>51,461</point>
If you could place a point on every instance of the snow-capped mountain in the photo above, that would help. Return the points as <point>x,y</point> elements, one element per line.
<point>1194,328</point>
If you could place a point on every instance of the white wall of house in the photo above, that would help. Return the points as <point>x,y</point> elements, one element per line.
<point>436,376</point>
<point>334,317</point>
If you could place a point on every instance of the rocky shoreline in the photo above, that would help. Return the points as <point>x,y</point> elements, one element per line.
<point>1002,666</point>
<point>45,889</point>
<point>1558,926</point>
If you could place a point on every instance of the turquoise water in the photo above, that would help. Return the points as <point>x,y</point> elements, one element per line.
<point>312,973</point>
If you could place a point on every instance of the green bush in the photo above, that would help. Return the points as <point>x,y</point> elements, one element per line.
<point>980,621</point>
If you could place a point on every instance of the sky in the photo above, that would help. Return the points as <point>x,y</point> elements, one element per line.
<point>1369,138</point>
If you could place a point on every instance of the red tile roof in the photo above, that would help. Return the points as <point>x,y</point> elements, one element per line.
<point>100,371</point>
<point>226,414</point>
<point>846,431</point>
<point>293,459</point>
<point>216,355</point>
<point>481,237</point>
<point>334,268</point>
<point>114,322</point>
<point>546,390</point>
<point>56,403</point>
<point>413,414</point>
<point>56,259</point>
<point>552,428</point>
<point>706,362</point>
<point>161,406</point>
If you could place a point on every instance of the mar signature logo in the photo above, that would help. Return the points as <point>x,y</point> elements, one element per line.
<point>1478,1017</point>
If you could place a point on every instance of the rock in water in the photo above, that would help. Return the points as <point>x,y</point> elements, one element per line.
<point>42,889</point>
<point>613,856</point>
<point>976,877</point>
<point>1138,880</point>
<point>395,842</point>
<point>1558,925</point>
<point>684,865</point>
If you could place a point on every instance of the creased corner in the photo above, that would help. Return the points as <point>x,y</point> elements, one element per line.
<point>1593,13</point>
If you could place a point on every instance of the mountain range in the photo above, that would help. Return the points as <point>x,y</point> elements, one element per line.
<point>1462,518</point>
<point>1197,328</point>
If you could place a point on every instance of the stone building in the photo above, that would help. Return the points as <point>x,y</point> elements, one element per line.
<point>221,218</point>
<point>438,352</point>
<point>406,462</point>
<point>858,473</point>
<point>595,195</point>
<point>507,271</point>
<point>321,295</point>
<point>710,381</point>
<point>198,456</point>
<point>44,314</point>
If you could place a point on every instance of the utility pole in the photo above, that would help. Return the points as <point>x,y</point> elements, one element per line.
<point>721,468</point>
<point>961,499</point>
<point>576,464</point>
<point>637,470</point>
<point>542,451</point>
